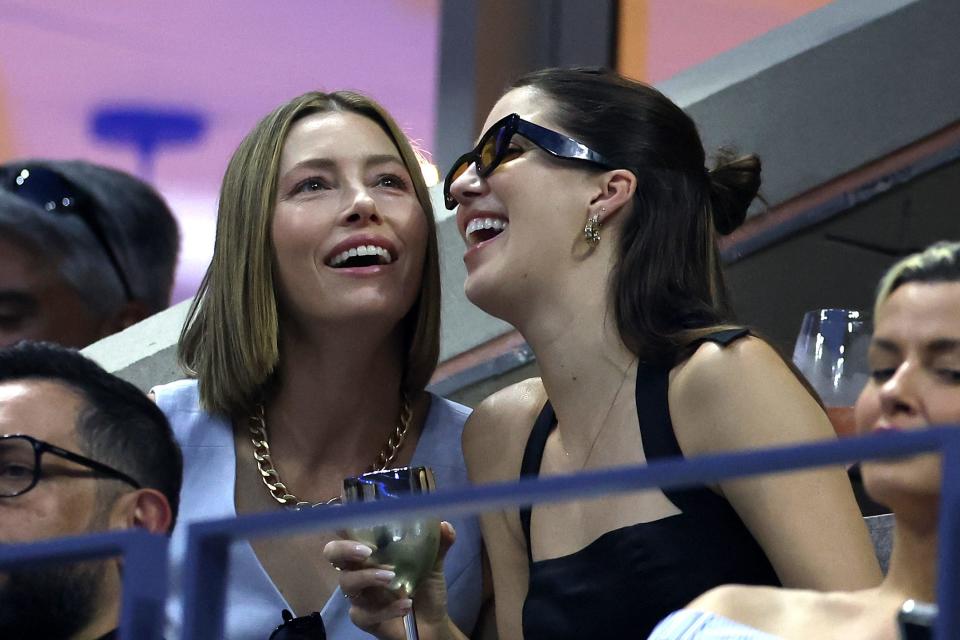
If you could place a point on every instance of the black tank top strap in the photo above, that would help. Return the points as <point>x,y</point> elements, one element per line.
<point>653,405</point>
<point>725,337</point>
<point>532,457</point>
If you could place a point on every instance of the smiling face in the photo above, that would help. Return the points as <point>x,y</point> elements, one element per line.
<point>349,234</point>
<point>521,222</point>
<point>915,382</point>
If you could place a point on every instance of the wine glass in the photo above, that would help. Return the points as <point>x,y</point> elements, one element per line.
<point>831,352</point>
<point>408,547</point>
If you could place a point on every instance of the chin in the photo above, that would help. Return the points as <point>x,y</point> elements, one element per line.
<point>905,481</point>
<point>488,296</point>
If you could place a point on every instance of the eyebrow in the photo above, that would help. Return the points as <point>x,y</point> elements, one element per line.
<point>936,347</point>
<point>17,299</point>
<point>326,163</point>
<point>943,345</point>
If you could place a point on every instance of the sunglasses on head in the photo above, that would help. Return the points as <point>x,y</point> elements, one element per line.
<point>55,194</point>
<point>493,147</point>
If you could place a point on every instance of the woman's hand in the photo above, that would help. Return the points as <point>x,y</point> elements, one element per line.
<point>379,611</point>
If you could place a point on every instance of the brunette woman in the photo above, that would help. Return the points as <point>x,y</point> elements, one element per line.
<point>591,220</point>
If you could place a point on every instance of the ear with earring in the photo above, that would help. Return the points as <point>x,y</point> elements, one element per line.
<point>591,231</point>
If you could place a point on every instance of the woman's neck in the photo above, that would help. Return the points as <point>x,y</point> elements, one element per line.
<point>585,367</point>
<point>337,395</point>
<point>913,562</point>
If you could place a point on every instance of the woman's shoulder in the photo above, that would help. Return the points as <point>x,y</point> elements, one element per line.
<point>715,363</point>
<point>747,603</point>
<point>500,425</point>
<point>776,608</point>
<point>179,395</point>
<point>191,424</point>
<point>447,413</point>
<point>741,394</point>
<point>688,624</point>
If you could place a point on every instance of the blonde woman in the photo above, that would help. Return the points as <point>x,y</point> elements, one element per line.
<point>914,383</point>
<point>314,333</point>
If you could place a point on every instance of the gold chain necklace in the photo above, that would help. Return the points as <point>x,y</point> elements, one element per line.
<point>271,478</point>
<point>606,417</point>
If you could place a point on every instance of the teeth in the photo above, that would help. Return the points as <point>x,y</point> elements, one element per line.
<point>486,223</point>
<point>362,250</point>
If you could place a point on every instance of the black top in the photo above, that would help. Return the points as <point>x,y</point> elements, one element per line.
<point>627,580</point>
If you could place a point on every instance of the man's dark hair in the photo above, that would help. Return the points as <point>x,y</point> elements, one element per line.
<point>120,426</point>
<point>137,223</point>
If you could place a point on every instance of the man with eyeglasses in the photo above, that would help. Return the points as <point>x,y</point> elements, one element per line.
<point>81,451</point>
<point>85,251</point>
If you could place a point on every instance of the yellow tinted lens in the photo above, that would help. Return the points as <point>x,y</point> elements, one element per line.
<point>459,170</point>
<point>488,155</point>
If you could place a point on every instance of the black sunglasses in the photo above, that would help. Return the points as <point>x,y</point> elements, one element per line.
<point>20,468</point>
<point>55,194</point>
<point>493,147</point>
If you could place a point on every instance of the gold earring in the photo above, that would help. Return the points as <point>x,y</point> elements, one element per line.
<point>591,231</point>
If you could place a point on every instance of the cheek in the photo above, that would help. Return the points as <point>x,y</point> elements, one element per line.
<point>866,411</point>
<point>944,407</point>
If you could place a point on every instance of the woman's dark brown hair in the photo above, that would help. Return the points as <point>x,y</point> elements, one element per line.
<point>668,289</point>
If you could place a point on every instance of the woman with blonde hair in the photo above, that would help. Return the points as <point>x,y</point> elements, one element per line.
<point>310,343</point>
<point>914,383</point>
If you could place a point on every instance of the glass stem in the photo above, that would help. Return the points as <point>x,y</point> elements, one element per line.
<point>410,625</point>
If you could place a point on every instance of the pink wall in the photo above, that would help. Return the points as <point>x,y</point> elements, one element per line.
<point>234,60</point>
<point>660,38</point>
<point>231,60</point>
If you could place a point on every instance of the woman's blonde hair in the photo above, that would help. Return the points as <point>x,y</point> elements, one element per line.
<point>230,341</point>
<point>940,262</point>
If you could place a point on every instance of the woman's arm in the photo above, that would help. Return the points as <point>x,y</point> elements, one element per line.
<point>744,396</point>
<point>493,443</point>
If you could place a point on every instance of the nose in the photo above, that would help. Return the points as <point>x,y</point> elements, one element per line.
<point>361,209</point>
<point>467,185</point>
<point>898,396</point>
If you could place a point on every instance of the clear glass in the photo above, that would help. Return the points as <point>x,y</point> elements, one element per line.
<point>831,352</point>
<point>408,547</point>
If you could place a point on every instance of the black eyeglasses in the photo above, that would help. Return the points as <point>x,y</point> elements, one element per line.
<point>493,147</point>
<point>20,468</point>
<point>55,194</point>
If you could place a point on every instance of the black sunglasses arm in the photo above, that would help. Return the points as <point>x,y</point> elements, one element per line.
<point>87,462</point>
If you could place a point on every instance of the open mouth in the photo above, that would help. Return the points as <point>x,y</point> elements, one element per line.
<point>482,229</point>
<point>363,256</point>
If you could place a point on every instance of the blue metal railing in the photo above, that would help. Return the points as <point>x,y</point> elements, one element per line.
<point>144,571</point>
<point>204,573</point>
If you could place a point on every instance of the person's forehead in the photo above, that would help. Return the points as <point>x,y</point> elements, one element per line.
<point>529,103</point>
<point>44,409</point>
<point>20,261</point>
<point>334,135</point>
<point>919,314</point>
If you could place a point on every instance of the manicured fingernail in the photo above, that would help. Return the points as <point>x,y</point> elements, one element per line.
<point>362,551</point>
<point>384,576</point>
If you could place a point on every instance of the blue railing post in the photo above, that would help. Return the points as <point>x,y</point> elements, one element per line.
<point>144,571</point>
<point>205,582</point>
<point>948,562</point>
<point>144,587</point>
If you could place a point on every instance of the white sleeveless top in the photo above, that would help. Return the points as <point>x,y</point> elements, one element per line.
<point>254,603</point>
<point>697,625</point>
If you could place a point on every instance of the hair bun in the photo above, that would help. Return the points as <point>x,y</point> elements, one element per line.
<point>734,183</point>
